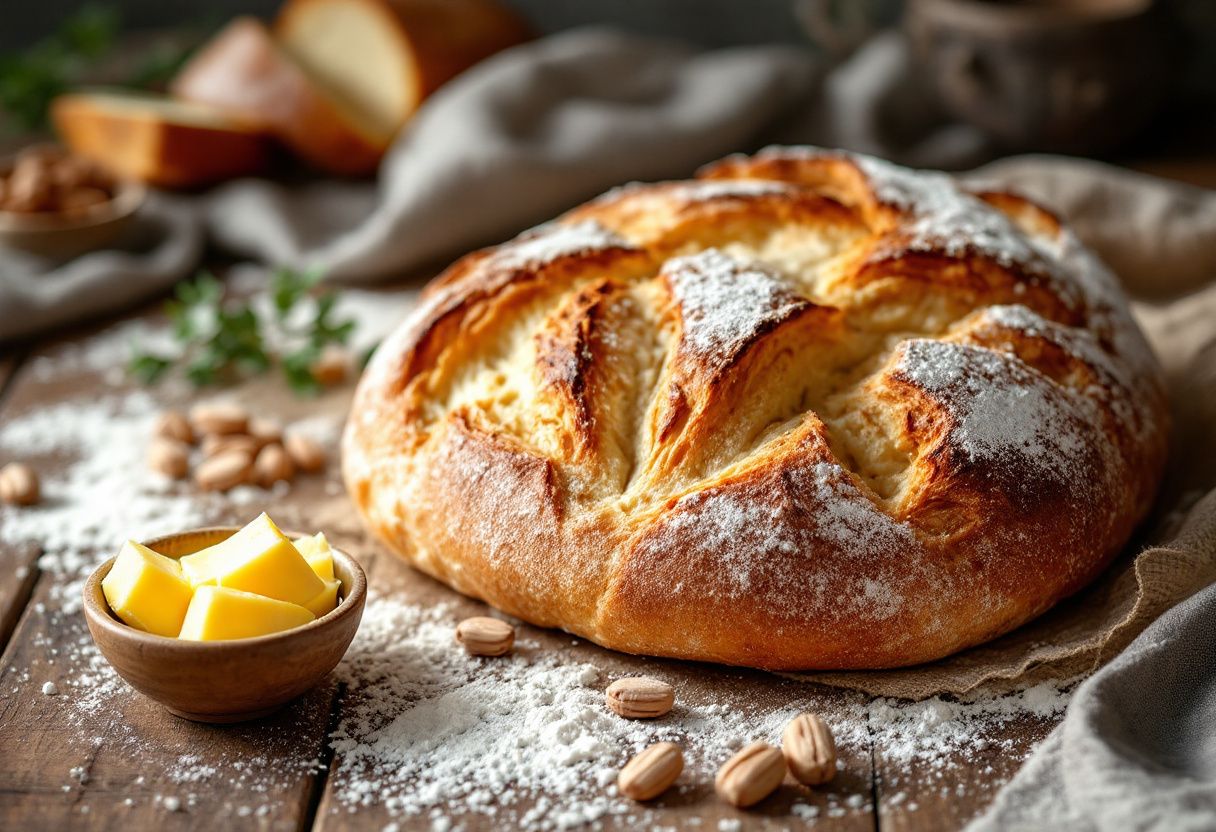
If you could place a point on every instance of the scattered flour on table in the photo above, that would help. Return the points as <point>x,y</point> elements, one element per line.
<point>426,731</point>
<point>105,494</point>
<point>90,451</point>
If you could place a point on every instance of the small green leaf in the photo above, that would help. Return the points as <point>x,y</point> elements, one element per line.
<point>297,369</point>
<point>223,342</point>
<point>147,368</point>
<point>366,356</point>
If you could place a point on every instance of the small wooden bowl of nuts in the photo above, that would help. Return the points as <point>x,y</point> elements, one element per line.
<point>58,205</point>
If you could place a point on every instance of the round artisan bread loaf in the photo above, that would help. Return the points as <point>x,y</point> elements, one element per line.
<point>810,410</point>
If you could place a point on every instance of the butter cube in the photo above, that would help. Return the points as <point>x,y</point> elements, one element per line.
<point>326,600</point>
<point>316,551</point>
<point>258,559</point>
<point>218,613</point>
<point>147,591</point>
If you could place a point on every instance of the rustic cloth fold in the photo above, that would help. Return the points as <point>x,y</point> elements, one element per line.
<point>545,126</point>
<point>162,246</point>
<point>1137,747</point>
<point>515,140</point>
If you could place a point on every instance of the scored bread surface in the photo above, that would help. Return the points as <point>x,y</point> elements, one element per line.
<point>808,411</point>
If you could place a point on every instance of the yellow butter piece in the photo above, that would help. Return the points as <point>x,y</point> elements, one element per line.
<point>258,559</point>
<point>147,591</point>
<point>316,551</point>
<point>326,600</point>
<point>218,613</point>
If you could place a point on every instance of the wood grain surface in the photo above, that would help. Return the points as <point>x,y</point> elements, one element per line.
<point>110,759</point>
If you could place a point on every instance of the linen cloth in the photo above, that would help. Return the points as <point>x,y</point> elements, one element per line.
<point>1137,747</point>
<point>163,246</point>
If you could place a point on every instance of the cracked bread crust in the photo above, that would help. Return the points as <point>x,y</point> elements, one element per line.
<point>807,411</point>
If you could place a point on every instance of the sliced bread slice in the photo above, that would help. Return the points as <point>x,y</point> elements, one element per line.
<point>381,58</point>
<point>244,73</point>
<point>157,139</point>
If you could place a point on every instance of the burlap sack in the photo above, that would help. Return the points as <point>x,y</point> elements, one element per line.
<point>1161,240</point>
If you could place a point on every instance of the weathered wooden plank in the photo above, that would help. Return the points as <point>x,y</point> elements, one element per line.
<point>8,366</point>
<point>844,805</point>
<point>17,561</point>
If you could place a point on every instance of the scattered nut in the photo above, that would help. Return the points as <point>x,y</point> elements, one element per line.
<point>169,457</point>
<point>173,425</point>
<point>810,751</point>
<point>251,448</point>
<point>483,636</point>
<point>273,463</point>
<point>306,453</point>
<point>219,418</point>
<point>751,775</point>
<point>75,172</point>
<point>224,471</point>
<point>331,366</point>
<point>19,484</point>
<point>40,156</point>
<point>44,178</point>
<point>639,697</point>
<point>29,186</point>
<point>651,772</point>
<point>215,444</point>
<point>265,430</point>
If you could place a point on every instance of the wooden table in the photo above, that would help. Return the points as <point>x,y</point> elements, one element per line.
<point>119,769</point>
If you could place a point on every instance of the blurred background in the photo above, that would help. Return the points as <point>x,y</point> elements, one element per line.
<point>368,140</point>
<point>1145,68</point>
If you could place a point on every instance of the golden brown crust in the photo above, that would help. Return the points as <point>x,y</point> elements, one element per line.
<point>808,411</point>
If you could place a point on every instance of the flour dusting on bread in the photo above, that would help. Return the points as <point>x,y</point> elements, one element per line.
<point>1003,413</point>
<point>725,304</point>
<point>946,219</point>
<point>851,415</point>
<point>552,241</point>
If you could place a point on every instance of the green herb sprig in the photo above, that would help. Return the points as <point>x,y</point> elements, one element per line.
<point>221,342</point>
<point>73,54</point>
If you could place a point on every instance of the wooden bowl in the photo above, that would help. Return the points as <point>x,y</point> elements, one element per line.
<point>62,237</point>
<point>225,681</point>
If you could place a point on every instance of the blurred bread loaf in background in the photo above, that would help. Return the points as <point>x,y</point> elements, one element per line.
<point>331,81</point>
<point>244,72</point>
